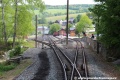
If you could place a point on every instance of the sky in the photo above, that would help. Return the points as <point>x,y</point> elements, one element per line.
<point>64,2</point>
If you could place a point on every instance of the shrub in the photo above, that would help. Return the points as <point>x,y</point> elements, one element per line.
<point>17,51</point>
<point>6,67</point>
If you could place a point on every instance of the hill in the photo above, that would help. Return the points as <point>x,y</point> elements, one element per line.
<point>61,9</point>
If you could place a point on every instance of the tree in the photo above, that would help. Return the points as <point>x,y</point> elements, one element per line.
<point>39,4</point>
<point>98,10</point>
<point>24,25</point>
<point>54,27</point>
<point>83,24</point>
<point>78,17</point>
<point>75,20</point>
<point>15,22</point>
<point>109,22</point>
<point>16,18</point>
<point>42,20</point>
<point>90,15</point>
<point>3,22</point>
<point>6,22</point>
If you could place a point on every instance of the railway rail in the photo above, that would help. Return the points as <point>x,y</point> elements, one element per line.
<point>68,63</point>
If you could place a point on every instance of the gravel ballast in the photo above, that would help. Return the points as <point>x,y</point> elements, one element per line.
<point>30,71</point>
<point>47,67</point>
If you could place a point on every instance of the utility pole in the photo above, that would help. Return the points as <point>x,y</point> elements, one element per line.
<point>98,37</point>
<point>67,22</point>
<point>36,31</point>
<point>42,36</point>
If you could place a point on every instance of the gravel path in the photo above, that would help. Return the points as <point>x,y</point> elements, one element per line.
<point>30,71</point>
<point>99,67</point>
<point>43,69</point>
<point>55,72</point>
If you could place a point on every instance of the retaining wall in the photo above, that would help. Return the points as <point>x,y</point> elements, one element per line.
<point>93,44</point>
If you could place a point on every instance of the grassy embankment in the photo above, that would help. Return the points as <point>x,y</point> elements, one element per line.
<point>9,71</point>
<point>9,75</point>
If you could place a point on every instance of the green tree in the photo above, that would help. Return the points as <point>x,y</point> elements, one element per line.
<point>24,25</point>
<point>78,17</point>
<point>36,4</point>
<point>15,22</point>
<point>108,25</point>
<point>83,24</point>
<point>89,14</point>
<point>42,20</point>
<point>6,19</point>
<point>75,20</point>
<point>54,27</point>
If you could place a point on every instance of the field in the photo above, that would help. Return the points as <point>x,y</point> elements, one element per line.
<point>62,17</point>
<point>53,11</point>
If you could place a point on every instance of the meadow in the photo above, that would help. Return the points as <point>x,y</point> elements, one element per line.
<point>54,11</point>
<point>62,17</point>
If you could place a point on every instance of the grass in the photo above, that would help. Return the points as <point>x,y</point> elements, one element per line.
<point>53,11</point>
<point>60,17</point>
<point>25,43</point>
<point>9,75</point>
<point>29,44</point>
<point>5,67</point>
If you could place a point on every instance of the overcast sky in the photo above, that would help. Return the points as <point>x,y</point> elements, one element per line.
<point>63,2</point>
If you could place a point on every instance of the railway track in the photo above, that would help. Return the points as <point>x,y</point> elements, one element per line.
<point>70,69</point>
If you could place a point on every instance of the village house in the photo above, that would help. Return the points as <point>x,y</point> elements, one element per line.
<point>64,23</point>
<point>72,31</point>
<point>62,32</point>
<point>59,22</point>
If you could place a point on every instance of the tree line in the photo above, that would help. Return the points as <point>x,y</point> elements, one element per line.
<point>71,7</point>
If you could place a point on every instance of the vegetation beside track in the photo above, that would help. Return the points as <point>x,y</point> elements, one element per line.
<point>9,75</point>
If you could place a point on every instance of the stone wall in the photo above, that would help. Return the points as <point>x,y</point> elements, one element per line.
<point>93,45</point>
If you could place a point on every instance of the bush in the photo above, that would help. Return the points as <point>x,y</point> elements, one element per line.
<point>17,51</point>
<point>5,67</point>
